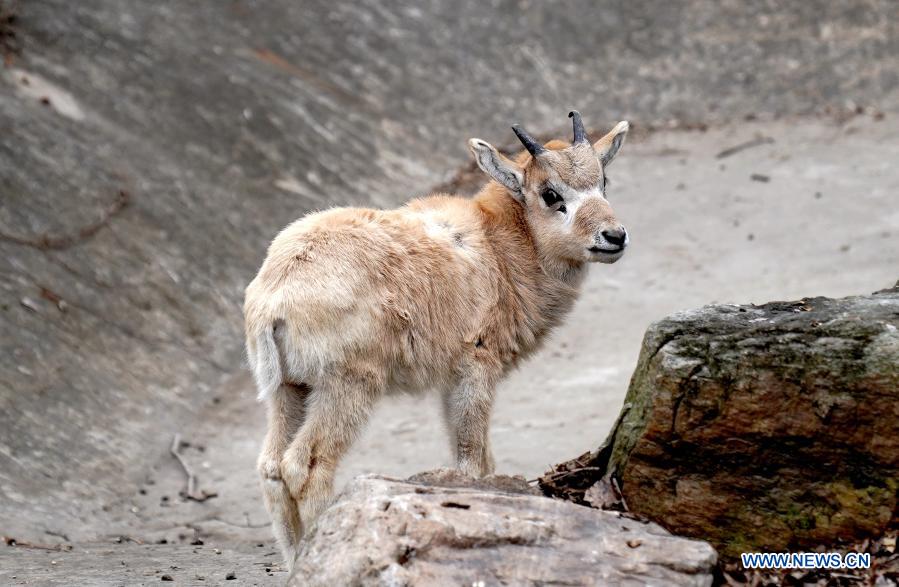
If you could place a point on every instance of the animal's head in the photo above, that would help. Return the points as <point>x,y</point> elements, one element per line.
<point>562,188</point>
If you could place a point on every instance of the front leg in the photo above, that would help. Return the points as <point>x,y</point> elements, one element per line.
<point>467,409</point>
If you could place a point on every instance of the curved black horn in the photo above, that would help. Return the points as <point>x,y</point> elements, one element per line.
<point>580,135</point>
<point>533,147</point>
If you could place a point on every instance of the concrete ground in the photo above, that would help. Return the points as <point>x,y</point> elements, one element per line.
<point>810,210</point>
<point>149,151</point>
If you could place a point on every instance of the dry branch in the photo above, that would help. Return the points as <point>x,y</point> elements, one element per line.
<point>10,541</point>
<point>191,492</point>
<point>47,242</point>
<point>756,142</point>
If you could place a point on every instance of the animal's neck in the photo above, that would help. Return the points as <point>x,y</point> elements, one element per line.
<point>555,283</point>
<point>498,205</point>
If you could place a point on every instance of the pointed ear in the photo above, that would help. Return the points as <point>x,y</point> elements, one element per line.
<point>498,167</point>
<point>607,147</point>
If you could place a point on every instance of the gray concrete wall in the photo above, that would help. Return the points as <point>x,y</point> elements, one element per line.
<point>150,150</point>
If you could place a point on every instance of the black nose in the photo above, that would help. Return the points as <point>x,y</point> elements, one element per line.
<point>616,236</point>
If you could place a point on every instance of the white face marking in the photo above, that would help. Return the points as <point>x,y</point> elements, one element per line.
<point>574,199</point>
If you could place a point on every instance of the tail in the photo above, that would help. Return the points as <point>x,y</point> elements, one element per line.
<point>266,362</point>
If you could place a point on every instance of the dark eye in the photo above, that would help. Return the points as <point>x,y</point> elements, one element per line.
<point>553,200</point>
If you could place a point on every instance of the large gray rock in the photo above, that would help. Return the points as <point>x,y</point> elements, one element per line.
<point>772,427</point>
<point>441,528</point>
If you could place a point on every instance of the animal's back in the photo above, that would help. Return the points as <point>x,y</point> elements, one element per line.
<point>399,288</point>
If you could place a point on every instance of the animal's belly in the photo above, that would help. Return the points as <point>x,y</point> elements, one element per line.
<point>419,378</point>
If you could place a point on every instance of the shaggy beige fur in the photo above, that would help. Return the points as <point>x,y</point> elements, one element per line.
<point>445,293</point>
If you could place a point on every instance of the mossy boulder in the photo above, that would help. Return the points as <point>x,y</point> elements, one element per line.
<point>767,427</point>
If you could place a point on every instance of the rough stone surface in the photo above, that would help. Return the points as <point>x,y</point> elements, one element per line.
<point>766,427</point>
<point>385,531</point>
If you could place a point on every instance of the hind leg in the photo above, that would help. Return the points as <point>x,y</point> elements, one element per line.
<point>286,411</point>
<point>338,410</point>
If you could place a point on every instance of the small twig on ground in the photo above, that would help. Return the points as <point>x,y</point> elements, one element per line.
<point>10,541</point>
<point>191,492</point>
<point>566,472</point>
<point>57,534</point>
<point>756,142</point>
<point>47,242</point>
<point>617,489</point>
<point>122,538</point>
<point>191,478</point>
